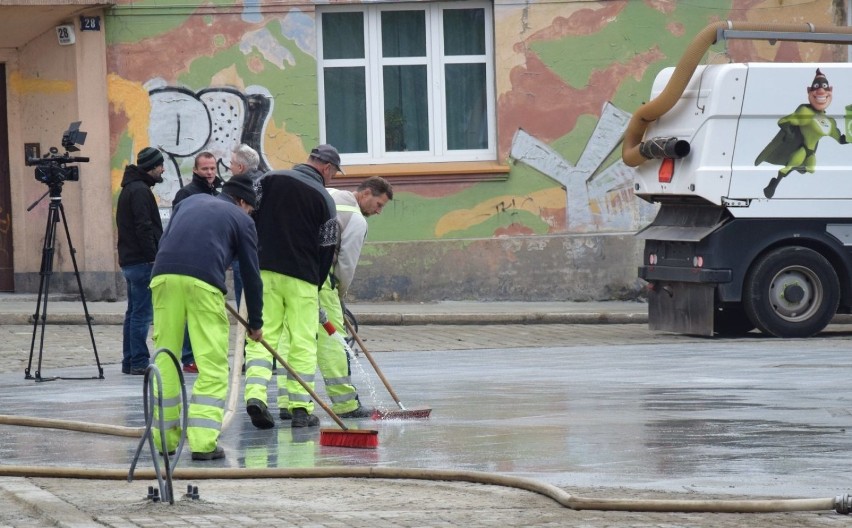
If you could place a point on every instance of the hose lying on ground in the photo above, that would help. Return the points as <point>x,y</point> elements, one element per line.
<point>840,504</point>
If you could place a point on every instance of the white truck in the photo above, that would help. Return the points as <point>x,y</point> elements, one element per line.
<point>751,164</point>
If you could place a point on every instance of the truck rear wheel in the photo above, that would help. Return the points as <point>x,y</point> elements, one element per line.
<point>791,292</point>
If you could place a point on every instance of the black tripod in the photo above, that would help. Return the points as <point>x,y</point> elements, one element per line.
<point>55,210</point>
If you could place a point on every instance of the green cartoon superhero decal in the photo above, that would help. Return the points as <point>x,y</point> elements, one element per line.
<point>795,144</point>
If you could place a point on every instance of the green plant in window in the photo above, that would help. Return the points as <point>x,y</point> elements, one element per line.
<point>394,130</point>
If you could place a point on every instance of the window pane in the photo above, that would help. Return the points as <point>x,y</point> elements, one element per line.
<point>403,33</point>
<point>464,32</point>
<point>406,108</point>
<point>467,117</point>
<point>343,35</point>
<point>346,109</point>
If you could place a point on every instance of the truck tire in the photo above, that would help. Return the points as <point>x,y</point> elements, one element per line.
<point>731,320</point>
<point>791,292</point>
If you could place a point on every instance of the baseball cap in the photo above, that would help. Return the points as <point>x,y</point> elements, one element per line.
<point>328,154</point>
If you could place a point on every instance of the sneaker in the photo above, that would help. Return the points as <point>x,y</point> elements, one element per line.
<point>285,415</point>
<point>360,412</point>
<point>190,368</point>
<point>137,371</point>
<point>259,414</point>
<point>212,455</point>
<point>301,418</point>
<point>125,370</point>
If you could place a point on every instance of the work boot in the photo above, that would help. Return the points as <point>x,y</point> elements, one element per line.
<point>212,455</point>
<point>285,415</point>
<point>301,418</point>
<point>360,412</point>
<point>259,414</point>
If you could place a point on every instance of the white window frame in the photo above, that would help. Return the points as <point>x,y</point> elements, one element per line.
<point>435,62</point>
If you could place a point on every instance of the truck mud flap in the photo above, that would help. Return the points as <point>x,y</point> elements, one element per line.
<point>684,223</point>
<point>683,308</point>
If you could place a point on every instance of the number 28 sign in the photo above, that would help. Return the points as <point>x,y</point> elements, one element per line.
<point>90,23</point>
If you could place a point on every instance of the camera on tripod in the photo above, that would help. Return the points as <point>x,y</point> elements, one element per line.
<point>53,169</point>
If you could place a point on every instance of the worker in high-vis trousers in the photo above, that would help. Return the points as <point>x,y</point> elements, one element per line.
<point>203,237</point>
<point>368,199</point>
<point>297,233</point>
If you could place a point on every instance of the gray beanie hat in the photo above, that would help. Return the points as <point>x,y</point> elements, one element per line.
<point>149,158</point>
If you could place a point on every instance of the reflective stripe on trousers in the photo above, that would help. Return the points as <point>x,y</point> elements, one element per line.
<point>182,300</point>
<point>290,320</point>
<point>331,358</point>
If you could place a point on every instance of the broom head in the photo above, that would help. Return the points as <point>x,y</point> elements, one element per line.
<point>393,414</point>
<point>357,438</point>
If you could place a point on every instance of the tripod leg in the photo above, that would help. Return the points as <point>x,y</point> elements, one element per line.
<point>80,287</point>
<point>45,271</point>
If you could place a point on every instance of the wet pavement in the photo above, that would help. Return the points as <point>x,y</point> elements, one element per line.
<point>611,409</point>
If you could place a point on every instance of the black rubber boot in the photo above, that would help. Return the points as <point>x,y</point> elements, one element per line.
<point>301,418</point>
<point>259,414</point>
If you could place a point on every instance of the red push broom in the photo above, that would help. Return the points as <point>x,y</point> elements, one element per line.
<point>378,414</point>
<point>346,437</point>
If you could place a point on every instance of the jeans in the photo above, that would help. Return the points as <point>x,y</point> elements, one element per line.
<point>138,317</point>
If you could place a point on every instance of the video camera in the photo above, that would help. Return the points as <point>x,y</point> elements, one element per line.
<point>53,169</point>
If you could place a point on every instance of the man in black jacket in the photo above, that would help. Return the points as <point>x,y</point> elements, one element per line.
<point>204,178</point>
<point>139,230</point>
<point>297,235</point>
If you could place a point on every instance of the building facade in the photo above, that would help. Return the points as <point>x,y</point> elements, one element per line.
<point>498,122</point>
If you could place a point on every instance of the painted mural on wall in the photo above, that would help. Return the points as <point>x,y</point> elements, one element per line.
<point>183,123</point>
<point>568,75</point>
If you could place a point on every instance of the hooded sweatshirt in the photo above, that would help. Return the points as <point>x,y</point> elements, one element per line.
<point>137,218</point>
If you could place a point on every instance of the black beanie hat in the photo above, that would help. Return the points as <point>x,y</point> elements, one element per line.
<point>241,187</point>
<point>149,158</point>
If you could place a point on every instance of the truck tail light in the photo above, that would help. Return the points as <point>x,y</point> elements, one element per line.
<point>652,259</point>
<point>666,170</point>
<point>698,261</point>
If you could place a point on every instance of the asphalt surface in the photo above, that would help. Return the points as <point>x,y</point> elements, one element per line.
<point>409,340</point>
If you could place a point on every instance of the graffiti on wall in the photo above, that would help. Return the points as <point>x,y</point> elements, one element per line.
<point>597,197</point>
<point>183,123</point>
<point>558,68</point>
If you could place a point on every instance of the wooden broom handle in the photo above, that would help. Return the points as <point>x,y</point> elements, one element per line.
<point>292,372</point>
<point>371,360</point>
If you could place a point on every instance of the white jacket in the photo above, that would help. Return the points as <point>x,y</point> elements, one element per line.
<point>353,232</point>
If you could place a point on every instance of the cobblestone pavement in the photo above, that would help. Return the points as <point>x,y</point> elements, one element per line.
<point>38,501</point>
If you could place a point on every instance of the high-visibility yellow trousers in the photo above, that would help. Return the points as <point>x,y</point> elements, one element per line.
<point>331,358</point>
<point>290,320</point>
<point>182,300</point>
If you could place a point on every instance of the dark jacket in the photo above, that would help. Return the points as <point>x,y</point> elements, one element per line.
<point>137,218</point>
<point>296,224</point>
<point>197,185</point>
<point>254,174</point>
<point>204,236</point>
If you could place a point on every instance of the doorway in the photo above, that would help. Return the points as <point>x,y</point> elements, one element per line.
<point>7,271</point>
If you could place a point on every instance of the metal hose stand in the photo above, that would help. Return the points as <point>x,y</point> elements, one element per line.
<point>149,399</point>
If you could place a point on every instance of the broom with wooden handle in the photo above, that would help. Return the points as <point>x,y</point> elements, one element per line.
<point>346,437</point>
<point>402,412</point>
